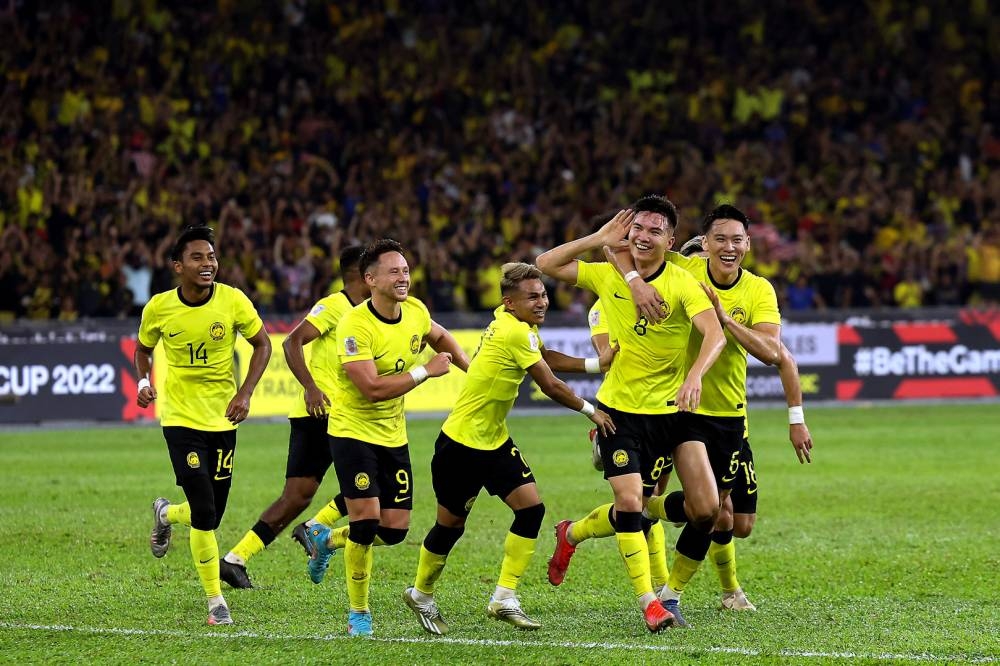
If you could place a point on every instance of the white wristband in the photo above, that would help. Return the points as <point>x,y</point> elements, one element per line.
<point>795,415</point>
<point>419,374</point>
<point>592,365</point>
<point>143,383</point>
<point>631,275</point>
<point>587,409</point>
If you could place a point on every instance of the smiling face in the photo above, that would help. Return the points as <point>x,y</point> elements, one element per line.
<point>528,302</point>
<point>198,265</point>
<point>389,277</point>
<point>726,242</point>
<point>650,237</point>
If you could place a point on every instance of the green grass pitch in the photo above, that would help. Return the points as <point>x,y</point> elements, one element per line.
<point>885,549</point>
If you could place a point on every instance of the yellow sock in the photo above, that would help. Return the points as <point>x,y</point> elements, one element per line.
<point>338,537</point>
<point>248,546</point>
<point>682,571</point>
<point>635,555</point>
<point>656,543</point>
<point>429,569</point>
<point>205,552</point>
<point>724,559</point>
<point>358,561</point>
<point>179,513</point>
<point>517,552</point>
<point>655,507</point>
<point>594,526</point>
<point>328,515</point>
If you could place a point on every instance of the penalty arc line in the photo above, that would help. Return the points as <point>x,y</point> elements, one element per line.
<point>485,642</point>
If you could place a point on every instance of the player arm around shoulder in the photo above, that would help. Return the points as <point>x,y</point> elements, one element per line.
<point>558,390</point>
<point>239,406</point>
<point>798,432</point>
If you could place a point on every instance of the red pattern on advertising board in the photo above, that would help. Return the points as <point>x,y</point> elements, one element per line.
<point>847,335</point>
<point>848,389</point>
<point>918,332</point>
<point>130,410</point>
<point>951,387</point>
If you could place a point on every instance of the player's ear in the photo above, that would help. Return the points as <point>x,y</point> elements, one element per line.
<point>178,267</point>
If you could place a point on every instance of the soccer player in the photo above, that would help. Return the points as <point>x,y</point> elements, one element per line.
<point>308,448</point>
<point>474,449</point>
<point>655,538</point>
<point>378,344</point>
<point>747,307</point>
<point>647,391</point>
<point>197,324</point>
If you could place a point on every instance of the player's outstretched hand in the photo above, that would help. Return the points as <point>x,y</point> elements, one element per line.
<point>439,365</point>
<point>603,422</point>
<point>316,402</point>
<point>716,303</point>
<point>238,408</point>
<point>689,397</point>
<point>607,356</point>
<point>802,441</point>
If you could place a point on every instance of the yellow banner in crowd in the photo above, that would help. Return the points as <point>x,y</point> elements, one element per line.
<point>278,387</point>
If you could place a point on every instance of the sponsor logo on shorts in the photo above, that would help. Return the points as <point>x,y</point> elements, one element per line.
<point>217,331</point>
<point>362,482</point>
<point>193,461</point>
<point>619,458</point>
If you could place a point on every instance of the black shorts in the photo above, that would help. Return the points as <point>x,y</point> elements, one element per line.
<point>723,439</point>
<point>201,453</point>
<point>308,448</point>
<point>367,470</point>
<point>744,493</point>
<point>641,444</point>
<point>459,472</point>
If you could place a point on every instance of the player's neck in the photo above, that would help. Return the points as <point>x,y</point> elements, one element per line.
<point>649,266</point>
<point>723,277</point>
<point>386,306</point>
<point>192,293</point>
<point>356,293</point>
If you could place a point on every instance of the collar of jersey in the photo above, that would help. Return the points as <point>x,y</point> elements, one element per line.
<point>715,284</point>
<point>348,297</point>
<point>371,308</point>
<point>657,273</point>
<point>211,292</point>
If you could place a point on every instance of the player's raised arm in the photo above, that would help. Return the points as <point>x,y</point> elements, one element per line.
<point>239,406</point>
<point>560,261</point>
<point>441,340</point>
<point>798,432</point>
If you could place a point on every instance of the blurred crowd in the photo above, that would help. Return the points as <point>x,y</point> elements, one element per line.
<point>862,139</point>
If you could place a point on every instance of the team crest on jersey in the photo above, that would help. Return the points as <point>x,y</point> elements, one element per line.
<point>361,481</point>
<point>665,308</point>
<point>217,331</point>
<point>619,458</point>
<point>317,309</point>
<point>533,341</point>
<point>351,346</point>
<point>193,461</point>
<point>468,505</point>
<point>415,344</point>
<point>595,318</point>
<point>739,315</point>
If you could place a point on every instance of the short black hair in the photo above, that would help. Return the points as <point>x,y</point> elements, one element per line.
<point>654,203</point>
<point>349,258</point>
<point>376,249</point>
<point>189,235</point>
<point>725,212</point>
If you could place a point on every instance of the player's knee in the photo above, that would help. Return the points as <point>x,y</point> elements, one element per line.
<point>391,536</point>
<point>440,540</point>
<point>528,522</point>
<point>724,519</point>
<point>203,517</point>
<point>743,524</point>
<point>362,532</point>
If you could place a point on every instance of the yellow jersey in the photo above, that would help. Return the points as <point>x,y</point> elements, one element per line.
<point>199,340</point>
<point>650,366</point>
<point>507,349</point>
<point>394,346</point>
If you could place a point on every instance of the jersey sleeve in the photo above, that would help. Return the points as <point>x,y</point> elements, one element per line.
<point>596,320</point>
<point>590,275</point>
<point>524,346</point>
<point>693,298</point>
<point>354,339</point>
<point>245,317</point>
<point>324,315</point>
<point>149,326</point>
<point>765,307</point>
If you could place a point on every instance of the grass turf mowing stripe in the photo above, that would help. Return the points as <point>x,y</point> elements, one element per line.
<point>119,631</point>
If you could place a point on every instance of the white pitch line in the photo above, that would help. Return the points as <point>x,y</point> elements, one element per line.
<point>487,642</point>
